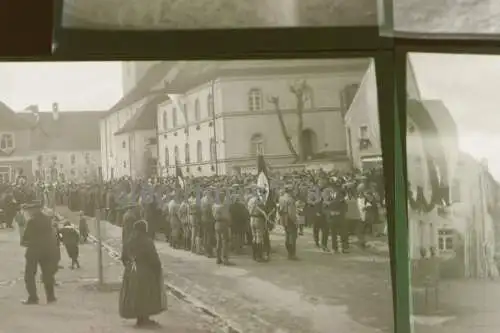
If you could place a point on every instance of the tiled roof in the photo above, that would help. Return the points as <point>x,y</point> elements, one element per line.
<point>73,130</point>
<point>145,118</point>
<point>152,77</point>
<point>10,120</point>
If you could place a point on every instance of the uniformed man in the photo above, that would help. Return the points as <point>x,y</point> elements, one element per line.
<point>221,216</point>
<point>335,209</point>
<point>174,220</point>
<point>207,221</point>
<point>194,222</point>
<point>258,220</point>
<point>41,250</point>
<point>288,219</point>
<point>186,229</point>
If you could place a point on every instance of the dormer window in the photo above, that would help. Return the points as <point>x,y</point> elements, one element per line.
<point>7,141</point>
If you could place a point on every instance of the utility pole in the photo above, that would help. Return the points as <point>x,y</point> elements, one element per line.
<point>98,228</point>
<point>212,92</point>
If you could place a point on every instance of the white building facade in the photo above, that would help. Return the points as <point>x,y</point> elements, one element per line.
<point>224,133</point>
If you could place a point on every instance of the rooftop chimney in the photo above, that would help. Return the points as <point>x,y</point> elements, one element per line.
<point>55,111</point>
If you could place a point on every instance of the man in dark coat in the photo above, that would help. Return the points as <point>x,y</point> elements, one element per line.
<point>41,250</point>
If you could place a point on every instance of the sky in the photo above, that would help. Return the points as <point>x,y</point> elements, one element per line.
<point>76,86</point>
<point>469,86</point>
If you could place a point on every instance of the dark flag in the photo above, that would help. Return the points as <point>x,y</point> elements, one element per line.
<point>179,177</point>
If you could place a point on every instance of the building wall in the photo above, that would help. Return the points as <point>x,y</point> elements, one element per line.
<point>236,124</point>
<point>364,112</point>
<point>138,148</point>
<point>75,165</point>
<point>116,159</point>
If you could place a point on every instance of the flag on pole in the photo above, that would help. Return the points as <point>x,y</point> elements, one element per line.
<point>262,176</point>
<point>179,177</point>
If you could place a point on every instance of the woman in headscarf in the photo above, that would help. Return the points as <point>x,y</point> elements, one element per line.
<point>143,291</point>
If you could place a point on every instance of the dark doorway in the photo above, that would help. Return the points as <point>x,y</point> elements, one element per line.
<point>309,143</point>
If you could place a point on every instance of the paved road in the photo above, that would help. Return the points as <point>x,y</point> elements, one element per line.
<point>80,307</point>
<point>321,293</point>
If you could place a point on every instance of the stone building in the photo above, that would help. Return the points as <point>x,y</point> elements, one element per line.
<point>220,115</point>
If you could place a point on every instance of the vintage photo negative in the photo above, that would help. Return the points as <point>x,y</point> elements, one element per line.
<point>242,196</point>
<point>216,14</point>
<point>453,191</point>
<point>447,16</point>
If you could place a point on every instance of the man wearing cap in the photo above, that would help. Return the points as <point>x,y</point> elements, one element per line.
<point>258,220</point>
<point>221,216</point>
<point>194,222</point>
<point>288,216</point>
<point>207,222</point>
<point>41,250</point>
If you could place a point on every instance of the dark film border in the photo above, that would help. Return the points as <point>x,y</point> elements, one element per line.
<point>26,28</point>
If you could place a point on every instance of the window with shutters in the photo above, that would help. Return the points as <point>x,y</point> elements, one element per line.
<point>199,152</point>
<point>176,154</point>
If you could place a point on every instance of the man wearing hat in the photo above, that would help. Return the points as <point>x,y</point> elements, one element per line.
<point>41,250</point>
<point>288,217</point>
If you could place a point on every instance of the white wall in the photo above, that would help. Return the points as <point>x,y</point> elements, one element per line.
<point>364,112</point>
<point>74,171</point>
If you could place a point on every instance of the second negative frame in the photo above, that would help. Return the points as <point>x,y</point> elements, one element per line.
<point>304,131</point>
<point>453,191</point>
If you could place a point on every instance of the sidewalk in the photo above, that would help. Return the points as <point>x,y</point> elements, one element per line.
<point>80,308</point>
<point>318,294</point>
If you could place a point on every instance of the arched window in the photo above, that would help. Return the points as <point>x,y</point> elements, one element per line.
<point>186,154</point>
<point>167,158</point>
<point>197,112</point>
<point>199,152</point>
<point>213,151</point>
<point>176,154</point>
<point>165,121</point>
<point>210,105</point>
<point>174,117</point>
<point>256,144</point>
<point>255,100</point>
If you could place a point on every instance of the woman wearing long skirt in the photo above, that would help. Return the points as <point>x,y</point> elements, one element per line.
<point>143,292</point>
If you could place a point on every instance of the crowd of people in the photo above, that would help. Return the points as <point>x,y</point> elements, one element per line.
<point>211,216</point>
<point>215,215</point>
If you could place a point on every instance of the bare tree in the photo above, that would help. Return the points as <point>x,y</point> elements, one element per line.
<point>303,93</point>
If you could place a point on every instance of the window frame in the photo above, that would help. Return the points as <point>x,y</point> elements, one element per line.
<point>252,95</point>
<point>12,140</point>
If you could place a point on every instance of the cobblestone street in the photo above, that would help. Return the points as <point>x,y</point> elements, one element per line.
<point>79,300</point>
<point>320,293</point>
